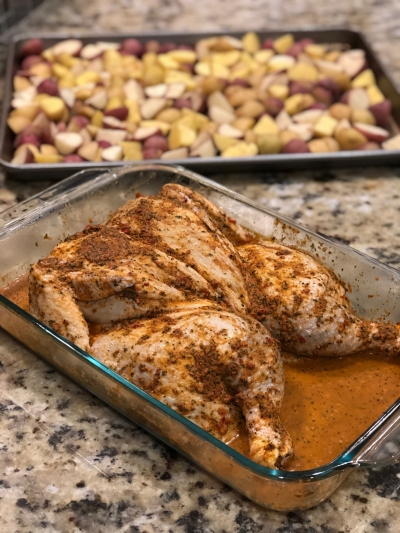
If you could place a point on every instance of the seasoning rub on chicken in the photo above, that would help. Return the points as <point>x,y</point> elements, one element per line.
<point>305,306</point>
<point>168,287</point>
<point>185,300</point>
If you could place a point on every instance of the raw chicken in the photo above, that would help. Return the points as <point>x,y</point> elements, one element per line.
<point>212,215</point>
<point>104,275</point>
<point>305,305</point>
<point>203,363</point>
<point>183,230</point>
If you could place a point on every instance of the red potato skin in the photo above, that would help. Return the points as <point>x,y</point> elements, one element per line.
<point>80,121</point>
<point>180,103</point>
<point>27,138</point>
<point>156,141</point>
<point>167,47</point>
<point>49,87</point>
<point>132,47</point>
<point>29,61</point>
<point>73,158</point>
<point>241,82</point>
<point>121,113</point>
<point>152,153</point>
<point>185,47</point>
<point>104,144</point>
<point>372,133</point>
<point>371,146</point>
<point>295,146</point>
<point>268,44</point>
<point>299,47</point>
<point>382,112</point>
<point>318,105</point>
<point>331,86</point>
<point>152,46</point>
<point>322,95</point>
<point>273,106</point>
<point>300,87</point>
<point>33,47</point>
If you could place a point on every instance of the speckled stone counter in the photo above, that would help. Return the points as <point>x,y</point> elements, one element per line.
<point>69,463</point>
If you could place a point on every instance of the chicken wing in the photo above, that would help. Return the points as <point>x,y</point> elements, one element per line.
<point>102,275</point>
<point>205,362</point>
<point>305,305</point>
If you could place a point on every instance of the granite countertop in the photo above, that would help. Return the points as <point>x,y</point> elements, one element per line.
<point>69,463</point>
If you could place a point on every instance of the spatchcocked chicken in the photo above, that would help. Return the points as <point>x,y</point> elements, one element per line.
<point>184,299</point>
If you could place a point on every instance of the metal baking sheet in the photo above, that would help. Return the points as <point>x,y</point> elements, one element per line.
<point>215,164</point>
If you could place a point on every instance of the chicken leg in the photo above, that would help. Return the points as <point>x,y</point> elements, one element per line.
<point>305,305</point>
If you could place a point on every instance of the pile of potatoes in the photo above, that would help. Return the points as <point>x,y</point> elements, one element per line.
<point>224,96</point>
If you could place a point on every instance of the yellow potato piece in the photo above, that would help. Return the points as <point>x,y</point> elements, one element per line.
<point>227,59</point>
<point>53,107</point>
<point>243,123</point>
<point>132,151</point>
<point>251,42</point>
<point>180,135</point>
<point>134,113</point>
<point>60,71</point>
<point>169,115</point>
<point>375,95</point>
<point>241,149</point>
<point>113,103</point>
<point>295,104</point>
<point>278,91</point>
<point>183,56</point>
<point>222,142</point>
<point>167,61</point>
<point>364,79</point>
<point>47,158</point>
<point>269,144</point>
<point>67,81</point>
<point>203,68</point>
<point>265,125</point>
<point>325,126</point>
<point>97,118</point>
<point>316,51</point>
<point>282,44</point>
<point>163,126</point>
<point>303,72</point>
<point>199,119</point>
<point>67,60</point>
<point>263,56</point>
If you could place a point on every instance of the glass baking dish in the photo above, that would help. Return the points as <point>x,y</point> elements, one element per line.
<point>31,230</point>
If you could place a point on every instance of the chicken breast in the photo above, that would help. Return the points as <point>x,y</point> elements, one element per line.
<point>205,363</point>
<point>305,305</point>
<point>179,231</point>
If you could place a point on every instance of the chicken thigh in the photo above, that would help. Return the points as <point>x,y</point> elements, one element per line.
<point>305,305</point>
<point>204,363</point>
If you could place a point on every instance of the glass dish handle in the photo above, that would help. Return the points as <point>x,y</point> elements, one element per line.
<point>50,194</point>
<point>383,448</point>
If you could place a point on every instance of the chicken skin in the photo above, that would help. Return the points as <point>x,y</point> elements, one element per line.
<point>183,230</point>
<point>102,275</point>
<point>305,306</point>
<point>204,363</point>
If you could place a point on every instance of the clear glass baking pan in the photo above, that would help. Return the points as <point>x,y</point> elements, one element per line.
<point>32,229</point>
